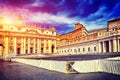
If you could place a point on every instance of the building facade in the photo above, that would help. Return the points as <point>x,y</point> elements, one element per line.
<point>20,38</point>
<point>81,41</point>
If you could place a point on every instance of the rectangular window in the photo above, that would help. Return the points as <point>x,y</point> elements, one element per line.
<point>75,50</point>
<point>65,51</point>
<point>68,50</point>
<point>83,49</point>
<point>94,48</point>
<point>99,33</point>
<point>88,49</point>
<point>79,50</point>
<point>118,22</point>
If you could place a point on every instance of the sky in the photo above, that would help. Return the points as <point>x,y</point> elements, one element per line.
<point>62,14</point>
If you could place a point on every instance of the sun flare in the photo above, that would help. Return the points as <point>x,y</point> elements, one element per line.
<point>7,21</point>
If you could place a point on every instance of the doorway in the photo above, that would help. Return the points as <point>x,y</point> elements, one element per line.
<point>52,48</point>
<point>31,50</point>
<point>18,51</point>
<point>1,50</point>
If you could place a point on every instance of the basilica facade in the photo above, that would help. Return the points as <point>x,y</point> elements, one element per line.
<point>82,41</point>
<point>21,38</point>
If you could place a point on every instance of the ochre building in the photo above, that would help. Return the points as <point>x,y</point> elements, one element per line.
<point>20,38</point>
<point>82,41</point>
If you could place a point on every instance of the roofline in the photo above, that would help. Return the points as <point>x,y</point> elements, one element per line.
<point>97,29</point>
<point>116,19</point>
<point>72,31</point>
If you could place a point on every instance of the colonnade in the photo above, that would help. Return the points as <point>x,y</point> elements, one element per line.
<point>110,45</point>
<point>27,45</point>
<point>104,45</point>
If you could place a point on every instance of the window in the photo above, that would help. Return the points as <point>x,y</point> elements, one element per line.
<point>52,32</point>
<point>118,22</point>
<point>68,50</point>
<point>88,49</point>
<point>11,28</point>
<point>75,50</point>
<point>79,50</point>
<point>113,29</point>
<point>113,24</point>
<point>65,51</point>
<point>42,31</point>
<point>94,48</point>
<point>83,49</point>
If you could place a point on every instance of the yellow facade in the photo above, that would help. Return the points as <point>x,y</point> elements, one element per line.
<point>23,39</point>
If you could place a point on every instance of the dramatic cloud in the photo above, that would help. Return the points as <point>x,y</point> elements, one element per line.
<point>63,14</point>
<point>51,19</point>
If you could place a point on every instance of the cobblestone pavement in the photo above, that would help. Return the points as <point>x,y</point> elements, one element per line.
<point>18,71</point>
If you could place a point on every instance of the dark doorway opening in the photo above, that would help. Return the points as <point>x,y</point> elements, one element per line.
<point>26,51</point>
<point>18,51</point>
<point>31,50</point>
<point>101,47</point>
<point>52,48</point>
<point>111,45</point>
<point>107,46</point>
<point>41,50</point>
<point>2,49</point>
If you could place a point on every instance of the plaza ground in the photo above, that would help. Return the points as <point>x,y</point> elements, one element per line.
<point>18,71</point>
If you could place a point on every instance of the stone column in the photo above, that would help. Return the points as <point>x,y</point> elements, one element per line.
<point>6,46</point>
<point>92,49</point>
<point>44,46</point>
<point>24,40</point>
<point>22,46</point>
<point>104,47</point>
<point>114,45</point>
<point>55,46</point>
<point>34,45</point>
<point>118,45</point>
<point>49,46</point>
<point>38,46</point>
<point>28,45</point>
<point>99,47</point>
<point>14,45</point>
<point>110,46</point>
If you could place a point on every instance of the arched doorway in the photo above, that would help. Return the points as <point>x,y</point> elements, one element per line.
<point>52,49</point>
<point>18,50</point>
<point>42,50</point>
<point>31,50</point>
<point>1,50</point>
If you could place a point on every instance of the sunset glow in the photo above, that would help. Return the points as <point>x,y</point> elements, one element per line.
<point>7,21</point>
